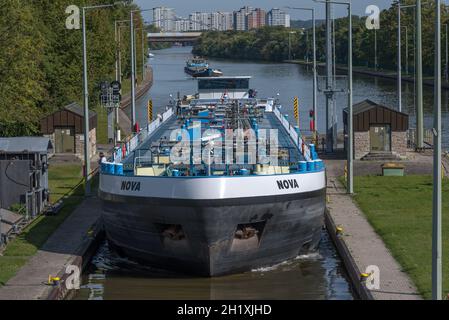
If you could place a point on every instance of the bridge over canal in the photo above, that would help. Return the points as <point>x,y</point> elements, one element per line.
<point>183,37</point>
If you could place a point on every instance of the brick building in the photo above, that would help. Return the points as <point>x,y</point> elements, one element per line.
<point>379,131</point>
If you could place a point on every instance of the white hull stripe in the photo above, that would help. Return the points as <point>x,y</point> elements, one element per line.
<point>212,188</point>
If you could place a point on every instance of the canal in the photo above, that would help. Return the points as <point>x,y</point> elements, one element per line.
<point>287,80</point>
<point>317,276</point>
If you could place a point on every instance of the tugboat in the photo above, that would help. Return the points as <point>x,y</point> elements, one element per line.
<point>220,183</point>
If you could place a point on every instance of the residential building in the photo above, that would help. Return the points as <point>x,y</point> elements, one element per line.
<point>182,25</point>
<point>164,18</point>
<point>221,21</point>
<point>277,17</point>
<point>199,21</point>
<point>256,18</point>
<point>241,18</point>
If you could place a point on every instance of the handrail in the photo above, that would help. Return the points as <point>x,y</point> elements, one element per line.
<point>298,141</point>
<point>128,147</point>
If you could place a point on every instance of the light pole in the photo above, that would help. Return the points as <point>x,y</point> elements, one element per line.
<point>315,76</point>
<point>419,80</point>
<point>437,183</point>
<point>446,71</point>
<point>350,156</point>
<point>399,62</point>
<point>406,50</point>
<point>290,45</point>
<point>86,97</point>
<point>133,72</point>
<point>118,69</point>
<point>375,49</point>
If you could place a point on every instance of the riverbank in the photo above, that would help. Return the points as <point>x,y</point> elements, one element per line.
<point>360,246</point>
<point>71,245</point>
<point>51,243</point>
<point>385,74</point>
<point>141,90</point>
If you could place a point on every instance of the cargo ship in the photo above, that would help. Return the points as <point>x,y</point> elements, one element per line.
<point>220,183</point>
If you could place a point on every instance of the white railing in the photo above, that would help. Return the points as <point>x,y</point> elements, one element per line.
<point>293,134</point>
<point>128,147</point>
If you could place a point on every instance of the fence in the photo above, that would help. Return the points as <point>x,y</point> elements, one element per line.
<point>411,138</point>
<point>293,134</point>
<point>128,147</point>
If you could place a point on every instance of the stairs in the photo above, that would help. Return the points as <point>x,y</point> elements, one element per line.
<point>381,156</point>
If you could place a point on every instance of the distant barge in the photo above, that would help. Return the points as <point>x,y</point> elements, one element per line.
<point>199,67</point>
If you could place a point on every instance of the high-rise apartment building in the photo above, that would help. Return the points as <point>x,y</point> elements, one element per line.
<point>221,21</point>
<point>164,18</point>
<point>277,17</point>
<point>256,18</point>
<point>182,25</point>
<point>199,21</point>
<point>241,18</point>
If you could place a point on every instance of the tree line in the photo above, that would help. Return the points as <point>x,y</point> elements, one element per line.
<point>272,43</point>
<point>41,60</point>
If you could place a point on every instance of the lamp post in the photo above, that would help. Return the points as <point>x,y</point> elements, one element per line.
<point>406,50</point>
<point>315,76</point>
<point>399,62</point>
<point>437,183</point>
<point>375,49</point>
<point>133,72</point>
<point>118,69</point>
<point>290,45</point>
<point>446,71</point>
<point>419,80</point>
<point>86,96</point>
<point>350,156</point>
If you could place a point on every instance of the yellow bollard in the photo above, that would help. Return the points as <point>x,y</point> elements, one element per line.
<point>339,230</point>
<point>364,277</point>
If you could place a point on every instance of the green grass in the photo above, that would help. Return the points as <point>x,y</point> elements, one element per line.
<point>102,124</point>
<point>62,180</point>
<point>400,210</point>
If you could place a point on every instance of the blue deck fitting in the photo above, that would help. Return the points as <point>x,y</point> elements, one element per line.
<point>310,166</point>
<point>302,166</point>
<point>118,169</point>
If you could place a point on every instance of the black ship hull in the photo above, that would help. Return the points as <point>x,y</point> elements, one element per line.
<point>210,237</point>
<point>197,73</point>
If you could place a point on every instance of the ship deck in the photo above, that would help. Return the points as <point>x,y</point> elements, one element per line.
<point>162,135</point>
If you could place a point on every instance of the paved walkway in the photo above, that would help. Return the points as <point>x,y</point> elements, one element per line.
<point>365,246</point>
<point>62,248</point>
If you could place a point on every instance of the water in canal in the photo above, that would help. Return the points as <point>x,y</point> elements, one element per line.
<point>317,276</point>
<point>287,80</point>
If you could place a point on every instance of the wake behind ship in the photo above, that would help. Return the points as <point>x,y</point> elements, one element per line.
<point>221,183</point>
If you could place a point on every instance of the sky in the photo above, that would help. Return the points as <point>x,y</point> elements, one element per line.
<point>185,7</point>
